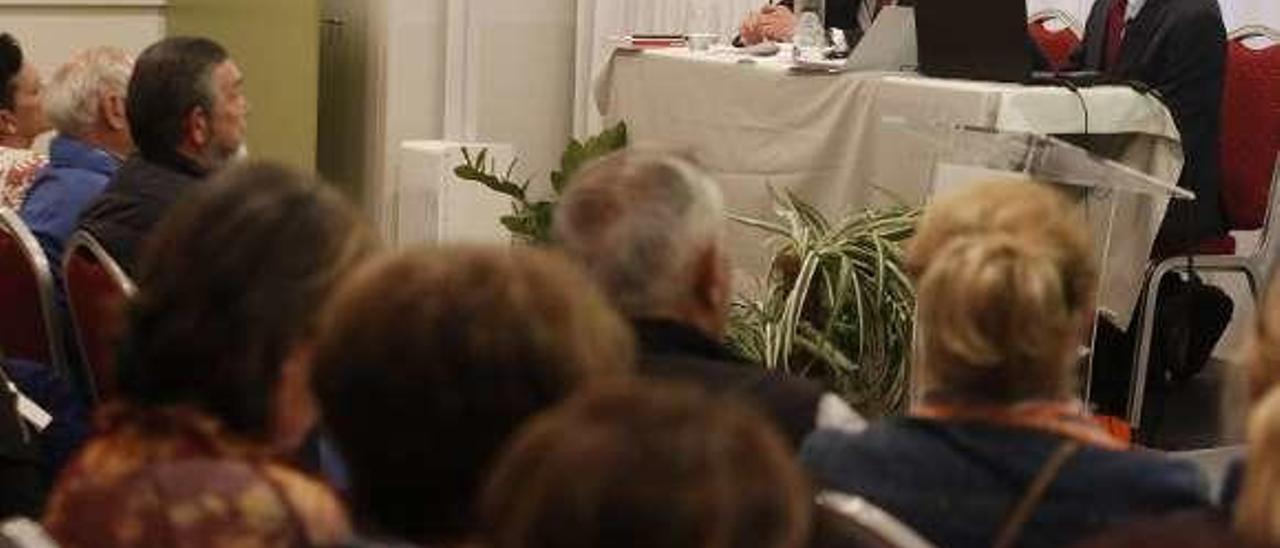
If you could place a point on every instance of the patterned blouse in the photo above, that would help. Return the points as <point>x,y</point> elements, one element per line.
<point>176,478</point>
<point>18,168</point>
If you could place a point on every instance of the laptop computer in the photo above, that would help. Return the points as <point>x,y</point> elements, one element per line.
<point>974,39</point>
<point>985,40</point>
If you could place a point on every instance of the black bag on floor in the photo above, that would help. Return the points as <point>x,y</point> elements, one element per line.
<point>1190,319</point>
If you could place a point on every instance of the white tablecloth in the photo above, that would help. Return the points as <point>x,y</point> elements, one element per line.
<point>754,123</point>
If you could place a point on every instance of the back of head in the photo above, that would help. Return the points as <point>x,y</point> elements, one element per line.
<point>1257,513</point>
<point>647,466</point>
<point>1005,276</point>
<point>229,283</point>
<point>429,359</point>
<point>1262,354</point>
<point>73,95</point>
<point>637,219</point>
<point>11,61</point>
<point>171,77</point>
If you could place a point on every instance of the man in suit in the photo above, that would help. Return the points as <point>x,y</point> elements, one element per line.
<point>649,227</point>
<point>1178,49</point>
<point>777,22</point>
<point>187,114</point>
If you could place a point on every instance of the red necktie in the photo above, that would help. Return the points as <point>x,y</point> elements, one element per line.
<point>1115,31</point>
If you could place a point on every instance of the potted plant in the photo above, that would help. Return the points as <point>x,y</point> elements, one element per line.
<point>836,304</point>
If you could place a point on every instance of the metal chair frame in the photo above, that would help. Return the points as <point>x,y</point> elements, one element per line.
<point>872,517</point>
<point>84,240</point>
<point>1255,31</point>
<point>1054,13</point>
<point>1255,267</point>
<point>10,222</point>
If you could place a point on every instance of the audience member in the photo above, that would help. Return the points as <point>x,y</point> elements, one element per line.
<point>216,361</point>
<point>777,22</point>
<point>429,360</point>
<point>86,102</point>
<point>647,466</point>
<point>650,228</point>
<point>998,451</point>
<point>21,491</point>
<point>22,118</point>
<point>1257,512</point>
<point>187,114</point>
<point>1262,368</point>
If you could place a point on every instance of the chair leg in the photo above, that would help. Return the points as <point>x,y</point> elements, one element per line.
<point>1146,327</point>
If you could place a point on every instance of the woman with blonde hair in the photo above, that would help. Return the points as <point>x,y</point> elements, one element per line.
<point>998,450</point>
<point>1257,512</point>
<point>1262,370</point>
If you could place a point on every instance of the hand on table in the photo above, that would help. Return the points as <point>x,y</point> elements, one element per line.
<point>774,23</point>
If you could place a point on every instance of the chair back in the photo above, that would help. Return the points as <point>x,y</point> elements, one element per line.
<point>1250,125</point>
<point>21,532</point>
<point>1057,33</point>
<point>97,290</point>
<point>863,523</point>
<point>29,327</point>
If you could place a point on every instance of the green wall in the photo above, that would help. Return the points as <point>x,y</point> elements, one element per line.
<point>277,45</point>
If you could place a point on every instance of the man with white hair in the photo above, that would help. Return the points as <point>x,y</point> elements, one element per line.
<point>85,101</point>
<point>649,227</point>
<point>188,115</point>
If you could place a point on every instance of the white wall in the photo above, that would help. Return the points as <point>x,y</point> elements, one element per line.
<point>52,30</point>
<point>511,77</point>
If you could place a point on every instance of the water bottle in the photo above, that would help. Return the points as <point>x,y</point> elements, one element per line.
<point>809,39</point>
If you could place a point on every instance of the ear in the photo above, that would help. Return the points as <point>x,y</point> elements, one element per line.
<point>295,406</point>
<point>711,279</point>
<point>113,111</point>
<point>8,122</point>
<point>197,128</point>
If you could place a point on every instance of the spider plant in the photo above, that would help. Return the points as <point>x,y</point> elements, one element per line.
<point>836,304</point>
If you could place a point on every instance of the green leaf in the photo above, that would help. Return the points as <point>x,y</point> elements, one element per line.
<point>838,305</point>
<point>578,154</point>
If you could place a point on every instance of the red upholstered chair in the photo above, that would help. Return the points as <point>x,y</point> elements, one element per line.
<point>1250,178</point>
<point>97,290</point>
<point>29,327</point>
<point>1057,34</point>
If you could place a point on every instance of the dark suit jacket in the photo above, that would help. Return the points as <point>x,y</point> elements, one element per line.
<point>957,482</point>
<point>1178,48</point>
<point>672,351</point>
<point>134,202</point>
<point>841,14</point>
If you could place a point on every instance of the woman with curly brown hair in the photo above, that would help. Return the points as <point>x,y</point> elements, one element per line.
<point>213,376</point>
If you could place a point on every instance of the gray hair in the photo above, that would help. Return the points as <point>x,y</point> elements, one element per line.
<point>73,94</point>
<point>637,220</point>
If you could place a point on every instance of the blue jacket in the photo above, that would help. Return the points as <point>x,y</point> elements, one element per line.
<point>956,483</point>
<point>76,174</point>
